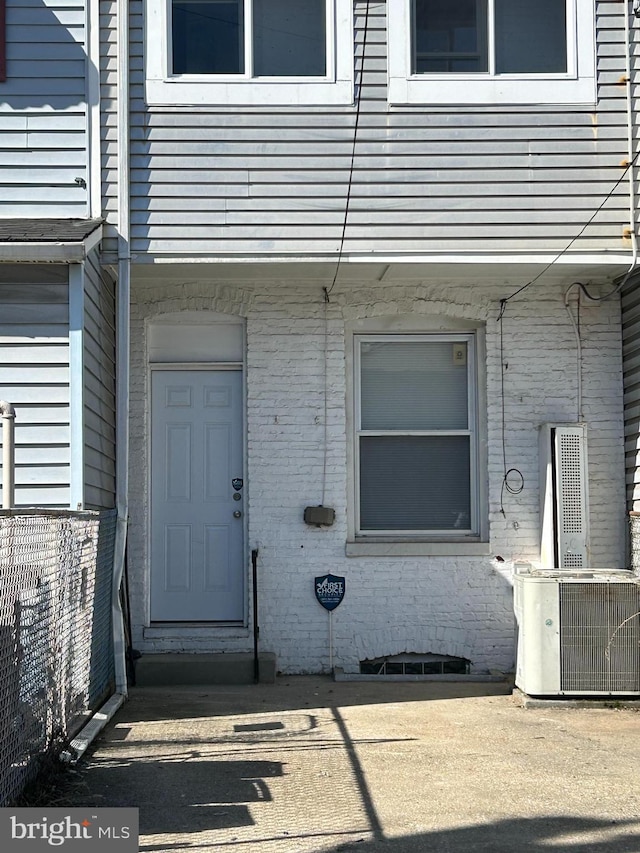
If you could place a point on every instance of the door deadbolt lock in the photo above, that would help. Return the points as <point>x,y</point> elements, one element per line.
<point>237,514</point>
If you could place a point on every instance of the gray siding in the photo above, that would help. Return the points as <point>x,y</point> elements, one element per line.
<point>34,377</point>
<point>43,146</point>
<point>99,387</point>
<point>631,368</point>
<point>250,180</point>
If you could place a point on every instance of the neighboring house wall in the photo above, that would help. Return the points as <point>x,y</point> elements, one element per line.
<point>233,180</point>
<point>57,356</point>
<point>43,110</point>
<point>457,605</point>
<point>631,364</point>
<point>99,386</point>
<point>34,377</point>
<point>57,346</point>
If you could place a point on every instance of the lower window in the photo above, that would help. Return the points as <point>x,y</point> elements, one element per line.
<point>416,435</point>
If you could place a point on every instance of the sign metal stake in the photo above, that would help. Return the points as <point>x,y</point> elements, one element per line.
<point>329,591</point>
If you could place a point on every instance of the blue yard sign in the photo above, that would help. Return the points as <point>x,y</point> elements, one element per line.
<point>329,591</point>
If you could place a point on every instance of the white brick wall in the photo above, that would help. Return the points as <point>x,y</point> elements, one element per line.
<point>450,605</point>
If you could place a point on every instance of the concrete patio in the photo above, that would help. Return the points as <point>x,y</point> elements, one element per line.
<point>306,765</point>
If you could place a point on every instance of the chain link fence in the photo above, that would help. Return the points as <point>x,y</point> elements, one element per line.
<point>56,642</point>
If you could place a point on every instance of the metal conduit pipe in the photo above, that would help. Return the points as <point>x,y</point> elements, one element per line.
<point>628,33</point>
<point>8,415</point>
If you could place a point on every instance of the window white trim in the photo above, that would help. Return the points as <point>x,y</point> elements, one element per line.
<point>422,542</point>
<point>163,88</point>
<point>577,86</point>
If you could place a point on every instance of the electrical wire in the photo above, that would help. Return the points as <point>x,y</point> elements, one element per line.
<point>510,487</point>
<point>328,290</point>
<point>326,400</point>
<point>503,302</point>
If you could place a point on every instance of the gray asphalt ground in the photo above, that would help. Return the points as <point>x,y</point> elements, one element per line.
<point>309,765</point>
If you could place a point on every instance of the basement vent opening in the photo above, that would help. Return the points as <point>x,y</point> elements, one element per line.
<point>414,664</point>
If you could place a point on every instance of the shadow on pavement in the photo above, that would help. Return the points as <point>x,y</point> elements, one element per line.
<point>290,694</point>
<point>561,834</point>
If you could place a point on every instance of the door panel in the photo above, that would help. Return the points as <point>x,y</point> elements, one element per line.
<point>197,543</point>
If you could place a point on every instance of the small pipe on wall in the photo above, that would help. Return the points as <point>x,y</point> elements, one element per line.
<point>8,415</point>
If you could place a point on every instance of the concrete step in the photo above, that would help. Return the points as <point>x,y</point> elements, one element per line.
<point>158,670</point>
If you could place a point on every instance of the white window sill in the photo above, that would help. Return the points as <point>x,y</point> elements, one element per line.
<point>439,90</point>
<point>179,92</point>
<point>361,548</point>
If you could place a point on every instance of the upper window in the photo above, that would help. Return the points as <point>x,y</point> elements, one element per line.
<point>416,436</point>
<point>257,52</point>
<point>259,38</point>
<point>492,51</point>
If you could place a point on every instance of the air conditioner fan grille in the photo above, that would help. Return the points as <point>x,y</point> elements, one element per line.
<point>599,637</point>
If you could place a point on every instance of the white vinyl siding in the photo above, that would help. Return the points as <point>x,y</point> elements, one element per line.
<point>416,435</point>
<point>273,180</point>
<point>43,111</point>
<point>34,378</point>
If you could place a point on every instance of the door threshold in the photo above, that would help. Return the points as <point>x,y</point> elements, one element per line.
<point>202,633</point>
<point>238,624</point>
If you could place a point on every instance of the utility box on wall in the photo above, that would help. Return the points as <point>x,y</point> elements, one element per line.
<point>321,516</point>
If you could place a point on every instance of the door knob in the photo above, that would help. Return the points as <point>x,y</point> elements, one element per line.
<point>237,514</point>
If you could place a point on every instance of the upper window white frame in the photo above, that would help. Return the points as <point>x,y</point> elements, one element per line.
<point>166,89</point>
<point>576,86</point>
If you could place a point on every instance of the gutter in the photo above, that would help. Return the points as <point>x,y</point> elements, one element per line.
<point>122,346</point>
<point>55,253</point>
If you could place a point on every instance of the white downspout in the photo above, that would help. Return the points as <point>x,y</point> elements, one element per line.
<point>122,345</point>
<point>8,415</point>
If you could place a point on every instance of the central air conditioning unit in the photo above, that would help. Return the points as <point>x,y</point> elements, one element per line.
<point>578,627</point>
<point>564,512</point>
<point>578,632</point>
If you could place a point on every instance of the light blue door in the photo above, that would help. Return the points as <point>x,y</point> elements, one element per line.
<point>197,496</point>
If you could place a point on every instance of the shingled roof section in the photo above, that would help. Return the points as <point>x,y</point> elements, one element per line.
<point>47,230</point>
